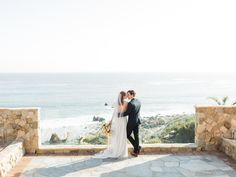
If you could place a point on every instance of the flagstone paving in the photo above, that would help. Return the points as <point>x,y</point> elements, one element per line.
<point>163,165</point>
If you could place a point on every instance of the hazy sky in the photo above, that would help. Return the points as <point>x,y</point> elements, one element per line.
<point>117,35</point>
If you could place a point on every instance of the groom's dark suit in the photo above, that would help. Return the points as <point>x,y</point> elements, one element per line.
<point>133,113</point>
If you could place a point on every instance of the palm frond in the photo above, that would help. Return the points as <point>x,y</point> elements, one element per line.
<point>215,99</point>
<point>234,103</point>
<point>224,100</point>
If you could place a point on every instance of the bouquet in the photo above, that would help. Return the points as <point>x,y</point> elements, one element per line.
<point>106,129</point>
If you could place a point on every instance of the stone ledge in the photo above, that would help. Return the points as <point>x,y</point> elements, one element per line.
<point>92,149</point>
<point>230,141</point>
<point>10,155</point>
<point>228,146</point>
<point>18,108</point>
<point>214,106</point>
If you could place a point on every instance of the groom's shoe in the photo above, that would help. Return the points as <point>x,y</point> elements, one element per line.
<point>139,149</point>
<point>134,154</point>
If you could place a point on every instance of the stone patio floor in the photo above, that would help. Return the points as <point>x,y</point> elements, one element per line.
<point>163,165</point>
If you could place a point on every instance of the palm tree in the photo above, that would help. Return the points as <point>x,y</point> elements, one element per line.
<point>221,102</point>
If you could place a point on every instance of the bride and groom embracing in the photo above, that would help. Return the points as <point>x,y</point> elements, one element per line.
<point>121,128</point>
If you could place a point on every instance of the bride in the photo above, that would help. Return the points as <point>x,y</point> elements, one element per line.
<point>117,142</point>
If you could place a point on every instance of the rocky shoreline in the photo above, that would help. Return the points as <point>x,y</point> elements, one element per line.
<point>177,128</point>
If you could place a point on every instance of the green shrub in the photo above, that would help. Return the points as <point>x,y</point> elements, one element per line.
<point>179,131</point>
<point>94,139</point>
<point>153,141</point>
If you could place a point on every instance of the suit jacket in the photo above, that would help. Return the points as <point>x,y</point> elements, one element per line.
<point>133,113</point>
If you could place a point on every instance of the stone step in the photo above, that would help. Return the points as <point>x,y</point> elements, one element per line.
<point>92,149</point>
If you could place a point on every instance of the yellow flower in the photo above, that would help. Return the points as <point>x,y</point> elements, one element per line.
<point>106,129</point>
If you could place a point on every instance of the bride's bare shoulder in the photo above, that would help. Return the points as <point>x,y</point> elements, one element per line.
<point>125,105</point>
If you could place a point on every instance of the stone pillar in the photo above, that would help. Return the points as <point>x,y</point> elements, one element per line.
<point>22,123</point>
<point>213,123</point>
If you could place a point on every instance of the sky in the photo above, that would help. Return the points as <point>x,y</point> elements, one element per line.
<point>117,36</point>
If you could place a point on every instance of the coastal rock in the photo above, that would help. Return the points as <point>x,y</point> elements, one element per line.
<point>54,139</point>
<point>99,119</point>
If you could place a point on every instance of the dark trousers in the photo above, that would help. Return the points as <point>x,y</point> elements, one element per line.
<point>134,141</point>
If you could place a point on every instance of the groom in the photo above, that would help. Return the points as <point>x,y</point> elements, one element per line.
<point>133,113</point>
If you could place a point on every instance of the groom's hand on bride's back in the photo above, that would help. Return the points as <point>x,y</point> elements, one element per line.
<point>128,110</point>
<point>119,114</point>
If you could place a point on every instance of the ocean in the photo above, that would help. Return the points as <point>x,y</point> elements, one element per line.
<point>68,100</point>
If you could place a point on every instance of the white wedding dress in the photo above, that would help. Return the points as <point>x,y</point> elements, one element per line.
<point>117,142</point>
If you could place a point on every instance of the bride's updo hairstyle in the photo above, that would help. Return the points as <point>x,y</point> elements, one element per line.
<point>122,95</point>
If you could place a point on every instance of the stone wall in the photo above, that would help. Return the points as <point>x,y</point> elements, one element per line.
<point>20,123</point>
<point>213,123</point>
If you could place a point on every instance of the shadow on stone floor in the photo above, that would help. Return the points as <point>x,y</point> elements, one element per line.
<point>65,169</point>
<point>143,166</point>
<point>175,166</point>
